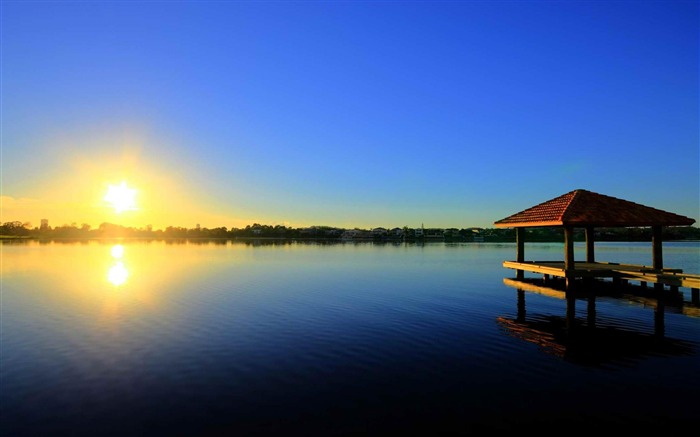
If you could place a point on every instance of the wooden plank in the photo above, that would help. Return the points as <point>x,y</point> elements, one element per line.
<point>557,267</point>
<point>639,267</point>
<point>674,280</point>
<point>602,265</point>
<point>554,271</point>
<point>671,277</point>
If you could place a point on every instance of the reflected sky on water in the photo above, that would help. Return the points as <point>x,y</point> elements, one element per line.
<point>211,337</point>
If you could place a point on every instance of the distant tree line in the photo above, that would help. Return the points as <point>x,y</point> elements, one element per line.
<point>18,229</point>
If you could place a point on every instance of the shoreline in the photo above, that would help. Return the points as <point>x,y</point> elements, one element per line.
<point>9,238</point>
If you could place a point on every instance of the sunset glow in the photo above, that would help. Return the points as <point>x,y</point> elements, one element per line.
<point>186,136</point>
<point>121,198</point>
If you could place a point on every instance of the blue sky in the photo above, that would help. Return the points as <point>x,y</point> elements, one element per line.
<point>351,114</point>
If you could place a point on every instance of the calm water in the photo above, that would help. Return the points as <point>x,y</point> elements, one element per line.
<point>156,338</point>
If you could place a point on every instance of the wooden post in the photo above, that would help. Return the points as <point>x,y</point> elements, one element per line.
<point>659,322</point>
<point>520,241</point>
<point>570,310</point>
<point>569,263</point>
<point>657,253</point>
<point>591,311</point>
<point>590,244</point>
<point>521,305</point>
<point>590,250</point>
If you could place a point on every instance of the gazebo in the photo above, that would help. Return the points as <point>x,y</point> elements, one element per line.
<point>588,210</point>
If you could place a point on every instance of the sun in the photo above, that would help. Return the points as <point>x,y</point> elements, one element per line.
<point>121,198</point>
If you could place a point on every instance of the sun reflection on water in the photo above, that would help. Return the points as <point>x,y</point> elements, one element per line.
<point>117,251</point>
<point>117,273</point>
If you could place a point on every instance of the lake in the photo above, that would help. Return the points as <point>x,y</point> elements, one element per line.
<point>142,338</point>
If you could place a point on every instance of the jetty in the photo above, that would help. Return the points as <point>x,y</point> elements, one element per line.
<point>588,210</point>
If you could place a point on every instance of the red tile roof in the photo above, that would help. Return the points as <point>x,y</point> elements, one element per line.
<point>586,208</point>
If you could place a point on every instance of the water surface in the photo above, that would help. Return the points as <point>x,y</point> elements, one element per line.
<point>221,338</point>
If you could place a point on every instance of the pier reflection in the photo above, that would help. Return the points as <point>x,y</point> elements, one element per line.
<point>587,341</point>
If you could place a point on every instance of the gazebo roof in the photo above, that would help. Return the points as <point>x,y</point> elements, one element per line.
<point>585,208</point>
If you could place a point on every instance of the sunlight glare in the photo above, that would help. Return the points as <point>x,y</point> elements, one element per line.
<point>117,274</point>
<point>121,198</point>
<point>118,251</point>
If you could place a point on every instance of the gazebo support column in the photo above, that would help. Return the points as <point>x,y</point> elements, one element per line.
<point>590,249</point>
<point>569,264</point>
<point>590,244</point>
<point>657,252</point>
<point>520,256</point>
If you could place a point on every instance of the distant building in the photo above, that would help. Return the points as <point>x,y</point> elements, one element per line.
<point>477,234</point>
<point>44,224</point>
<point>356,234</point>
<point>419,232</point>
<point>379,232</point>
<point>451,233</point>
<point>434,233</point>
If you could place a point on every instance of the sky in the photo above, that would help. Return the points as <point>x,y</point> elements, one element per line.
<point>344,113</point>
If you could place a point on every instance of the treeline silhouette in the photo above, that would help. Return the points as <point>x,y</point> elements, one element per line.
<point>17,229</point>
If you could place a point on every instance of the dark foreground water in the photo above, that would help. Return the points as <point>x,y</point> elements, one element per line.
<point>156,338</point>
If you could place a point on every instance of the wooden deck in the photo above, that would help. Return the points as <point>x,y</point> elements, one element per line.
<point>643,274</point>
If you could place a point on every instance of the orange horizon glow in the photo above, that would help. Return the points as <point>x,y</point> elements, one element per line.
<point>120,186</point>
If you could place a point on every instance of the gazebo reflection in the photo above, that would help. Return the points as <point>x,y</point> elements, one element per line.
<point>588,342</point>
